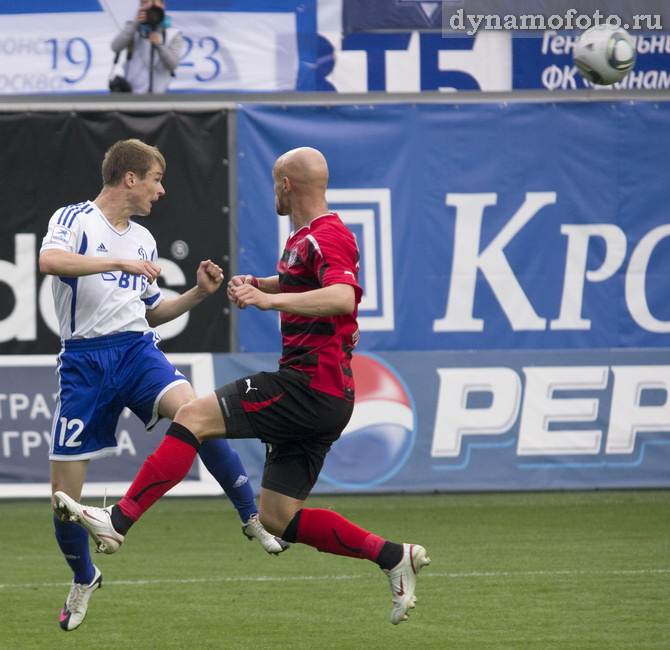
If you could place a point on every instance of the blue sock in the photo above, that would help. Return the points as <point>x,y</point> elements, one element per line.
<point>74,544</point>
<point>224,464</point>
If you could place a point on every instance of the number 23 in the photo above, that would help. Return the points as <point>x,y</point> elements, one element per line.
<point>206,42</point>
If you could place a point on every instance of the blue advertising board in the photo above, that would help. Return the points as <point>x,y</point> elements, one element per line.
<point>492,226</point>
<point>418,46</point>
<point>514,15</point>
<point>28,402</point>
<point>423,421</point>
<point>515,262</point>
<point>546,63</point>
<point>493,420</point>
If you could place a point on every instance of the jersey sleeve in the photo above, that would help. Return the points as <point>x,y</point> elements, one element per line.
<point>152,295</point>
<point>63,232</point>
<point>336,259</point>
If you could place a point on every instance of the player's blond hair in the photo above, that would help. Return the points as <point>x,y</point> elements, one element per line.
<point>129,156</point>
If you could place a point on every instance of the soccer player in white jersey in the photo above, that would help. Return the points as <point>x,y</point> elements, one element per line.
<point>107,300</point>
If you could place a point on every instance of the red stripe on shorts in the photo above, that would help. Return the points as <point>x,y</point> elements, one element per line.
<point>257,406</point>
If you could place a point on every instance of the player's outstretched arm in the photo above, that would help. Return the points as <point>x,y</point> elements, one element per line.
<point>209,279</point>
<point>73,265</point>
<point>332,300</point>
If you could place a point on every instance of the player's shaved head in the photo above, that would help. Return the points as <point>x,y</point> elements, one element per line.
<point>300,179</point>
<point>305,167</point>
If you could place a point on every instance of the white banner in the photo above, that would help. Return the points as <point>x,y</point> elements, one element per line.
<point>224,51</point>
<point>55,53</point>
<point>237,51</point>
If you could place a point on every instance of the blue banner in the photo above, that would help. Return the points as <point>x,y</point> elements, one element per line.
<point>546,63</point>
<point>433,420</point>
<point>496,226</point>
<point>52,6</point>
<point>455,16</point>
<point>385,15</point>
<point>506,420</point>
<point>416,46</point>
<point>343,46</point>
<point>28,402</point>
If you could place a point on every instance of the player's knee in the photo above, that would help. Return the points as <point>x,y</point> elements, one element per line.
<point>201,419</point>
<point>188,416</point>
<point>272,523</point>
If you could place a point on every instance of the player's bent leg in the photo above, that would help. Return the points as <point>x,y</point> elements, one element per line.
<point>174,398</point>
<point>220,459</point>
<point>171,461</point>
<point>225,465</point>
<point>68,476</point>
<point>96,521</point>
<point>202,417</point>
<point>276,510</point>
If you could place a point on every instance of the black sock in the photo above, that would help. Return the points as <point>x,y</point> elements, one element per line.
<point>120,522</point>
<point>291,533</point>
<point>390,555</point>
<point>180,432</point>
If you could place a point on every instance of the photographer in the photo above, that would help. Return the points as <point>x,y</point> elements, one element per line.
<point>153,50</point>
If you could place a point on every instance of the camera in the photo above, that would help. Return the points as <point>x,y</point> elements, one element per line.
<point>154,17</point>
<point>119,85</point>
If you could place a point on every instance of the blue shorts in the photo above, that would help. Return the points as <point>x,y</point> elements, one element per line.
<point>98,377</point>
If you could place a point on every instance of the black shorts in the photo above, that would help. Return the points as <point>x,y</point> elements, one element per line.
<point>297,423</point>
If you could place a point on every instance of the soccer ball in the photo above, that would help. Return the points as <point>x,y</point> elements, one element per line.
<point>604,54</point>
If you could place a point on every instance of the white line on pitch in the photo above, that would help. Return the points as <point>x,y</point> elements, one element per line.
<point>473,574</point>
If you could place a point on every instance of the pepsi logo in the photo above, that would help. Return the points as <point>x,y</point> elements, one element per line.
<point>380,435</point>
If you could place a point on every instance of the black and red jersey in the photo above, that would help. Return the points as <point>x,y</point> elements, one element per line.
<point>320,255</point>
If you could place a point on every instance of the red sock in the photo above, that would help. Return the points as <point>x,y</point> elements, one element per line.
<point>330,532</point>
<point>166,467</point>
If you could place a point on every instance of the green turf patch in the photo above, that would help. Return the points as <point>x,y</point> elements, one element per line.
<point>549,570</point>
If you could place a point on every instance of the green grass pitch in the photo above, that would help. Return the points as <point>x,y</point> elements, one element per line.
<point>542,570</point>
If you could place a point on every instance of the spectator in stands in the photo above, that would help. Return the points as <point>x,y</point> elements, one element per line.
<point>152,50</point>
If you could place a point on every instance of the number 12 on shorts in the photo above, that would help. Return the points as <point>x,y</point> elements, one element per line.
<point>76,427</point>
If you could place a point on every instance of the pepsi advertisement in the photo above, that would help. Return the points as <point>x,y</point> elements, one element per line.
<point>422,421</point>
<point>499,420</point>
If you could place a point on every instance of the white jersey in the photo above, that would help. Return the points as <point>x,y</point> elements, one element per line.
<point>104,303</point>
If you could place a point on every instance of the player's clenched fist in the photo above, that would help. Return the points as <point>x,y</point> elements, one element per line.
<point>237,281</point>
<point>246,294</point>
<point>209,276</point>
